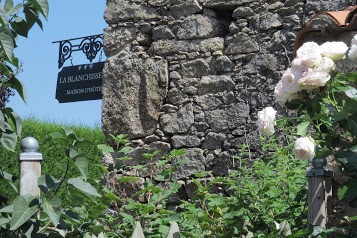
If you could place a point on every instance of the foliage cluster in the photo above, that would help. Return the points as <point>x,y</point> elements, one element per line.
<point>15,20</point>
<point>266,197</point>
<point>325,102</point>
<point>51,150</point>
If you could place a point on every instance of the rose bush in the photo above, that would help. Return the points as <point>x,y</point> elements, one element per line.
<point>325,101</point>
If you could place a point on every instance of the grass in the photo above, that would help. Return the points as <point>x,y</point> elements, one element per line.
<point>52,151</point>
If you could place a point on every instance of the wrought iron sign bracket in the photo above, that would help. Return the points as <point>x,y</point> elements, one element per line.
<point>89,45</point>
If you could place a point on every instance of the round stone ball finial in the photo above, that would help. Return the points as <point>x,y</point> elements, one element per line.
<point>29,144</point>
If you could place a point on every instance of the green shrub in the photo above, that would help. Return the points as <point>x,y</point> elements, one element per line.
<point>52,150</point>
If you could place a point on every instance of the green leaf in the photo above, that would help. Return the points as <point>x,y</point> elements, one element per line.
<point>350,106</point>
<point>47,183</point>
<point>348,191</point>
<point>83,143</point>
<point>7,209</point>
<point>59,137</point>
<point>82,165</point>
<point>16,120</point>
<point>110,197</point>
<point>2,121</point>
<point>178,152</point>
<point>353,149</point>
<point>8,140</point>
<point>24,208</point>
<point>3,17</point>
<point>14,9</point>
<point>351,76</point>
<point>346,157</point>
<point>4,220</point>
<point>52,208</point>
<point>19,26</point>
<point>7,43</point>
<point>18,86</point>
<point>84,187</point>
<point>102,168</point>
<point>302,128</point>
<point>105,148</point>
<point>342,115</point>
<point>42,6</point>
<point>126,150</point>
<point>352,124</point>
<point>56,135</point>
<point>126,179</point>
<point>351,92</point>
<point>32,16</point>
<point>97,229</point>
<point>120,139</point>
<point>9,179</point>
<point>9,4</point>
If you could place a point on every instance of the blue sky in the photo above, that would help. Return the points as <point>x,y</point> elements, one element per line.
<point>67,19</point>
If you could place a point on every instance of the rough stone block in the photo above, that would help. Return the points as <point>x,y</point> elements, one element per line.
<point>179,122</point>
<point>172,47</point>
<point>119,10</point>
<point>184,141</point>
<point>225,4</point>
<point>162,32</point>
<point>117,39</point>
<point>229,118</point>
<point>200,26</point>
<point>215,84</point>
<point>208,102</point>
<point>242,43</point>
<point>133,94</point>
<point>196,68</point>
<point>185,8</point>
<point>213,141</point>
<point>194,163</point>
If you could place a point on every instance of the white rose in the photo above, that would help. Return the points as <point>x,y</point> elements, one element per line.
<point>309,54</point>
<point>354,40</point>
<point>326,65</point>
<point>281,95</point>
<point>266,121</point>
<point>336,50</point>
<point>304,148</point>
<point>352,54</point>
<point>290,82</point>
<point>312,79</point>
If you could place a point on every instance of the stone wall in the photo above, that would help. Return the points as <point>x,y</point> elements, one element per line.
<point>193,73</point>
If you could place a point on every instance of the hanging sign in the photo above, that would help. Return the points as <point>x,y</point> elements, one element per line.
<point>80,83</point>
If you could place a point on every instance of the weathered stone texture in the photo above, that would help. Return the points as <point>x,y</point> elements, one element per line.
<point>193,73</point>
<point>200,27</point>
<point>172,47</point>
<point>185,8</point>
<point>179,122</point>
<point>119,10</point>
<point>242,43</point>
<point>140,89</point>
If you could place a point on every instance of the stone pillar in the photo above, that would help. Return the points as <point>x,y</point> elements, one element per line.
<point>30,167</point>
